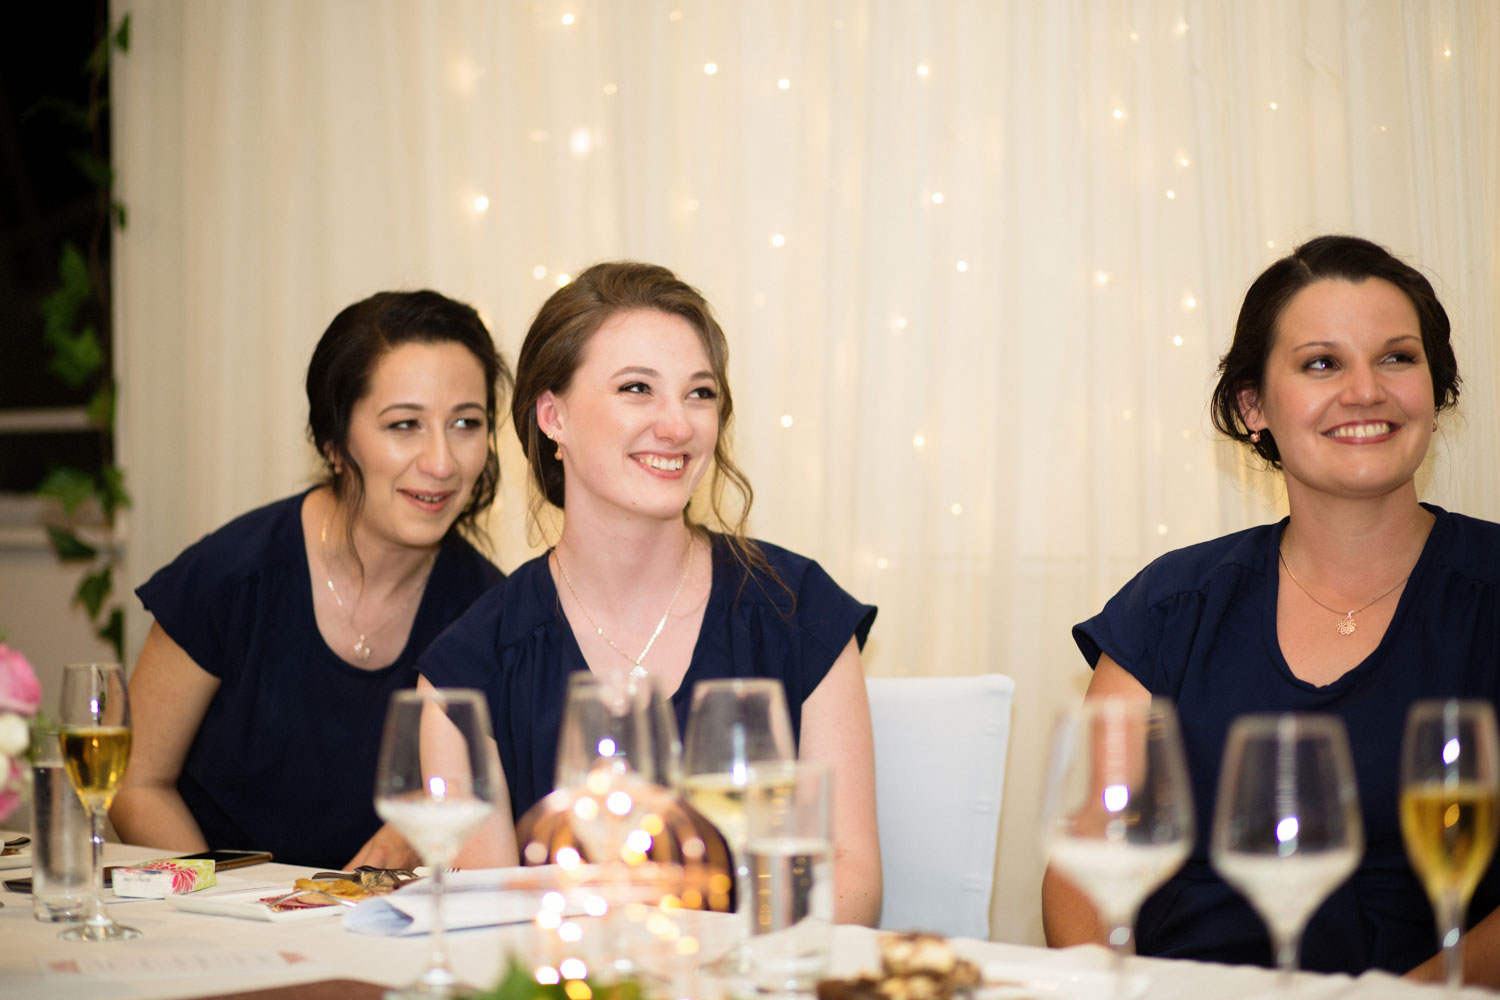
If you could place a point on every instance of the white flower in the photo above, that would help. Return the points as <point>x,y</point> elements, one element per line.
<point>15,736</point>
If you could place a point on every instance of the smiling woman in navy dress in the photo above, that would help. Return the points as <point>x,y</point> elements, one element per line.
<point>261,690</point>
<point>1340,363</point>
<point>622,405</point>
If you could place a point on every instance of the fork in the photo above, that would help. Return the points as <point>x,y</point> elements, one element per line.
<point>272,901</point>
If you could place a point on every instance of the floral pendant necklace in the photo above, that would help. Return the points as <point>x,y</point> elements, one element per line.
<point>1346,625</point>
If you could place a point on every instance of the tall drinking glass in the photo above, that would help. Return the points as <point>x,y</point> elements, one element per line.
<point>94,721</point>
<point>1450,795</point>
<point>738,734</point>
<point>436,783</point>
<point>1287,827</point>
<point>1117,810</point>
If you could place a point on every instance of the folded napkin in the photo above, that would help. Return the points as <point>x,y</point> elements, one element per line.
<point>483,898</point>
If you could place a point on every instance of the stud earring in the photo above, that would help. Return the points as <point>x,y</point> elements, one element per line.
<point>1255,437</point>
<point>1434,427</point>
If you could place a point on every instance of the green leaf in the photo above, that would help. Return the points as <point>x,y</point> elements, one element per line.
<point>112,494</point>
<point>113,632</point>
<point>69,112</point>
<point>70,487</point>
<point>76,357</point>
<point>60,307</point>
<point>93,591</point>
<point>102,407</point>
<point>68,546</point>
<point>95,168</point>
<point>119,209</point>
<point>97,64</point>
<point>122,34</point>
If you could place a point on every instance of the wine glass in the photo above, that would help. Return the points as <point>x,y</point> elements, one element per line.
<point>1287,827</point>
<point>1450,797</point>
<point>738,734</point>
<point>1117,810</point>
<point>435,783</point>
<point>94,730</point>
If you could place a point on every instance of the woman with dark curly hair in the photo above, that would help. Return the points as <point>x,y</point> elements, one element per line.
<point>261,690</point>
<point>1358,603</point>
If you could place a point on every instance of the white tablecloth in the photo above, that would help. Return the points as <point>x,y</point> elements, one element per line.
<point>182,954</point>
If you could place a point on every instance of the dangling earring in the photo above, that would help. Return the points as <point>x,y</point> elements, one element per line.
<point>1434,427</point>
<point>557,448</point>
<point>1255,437</point>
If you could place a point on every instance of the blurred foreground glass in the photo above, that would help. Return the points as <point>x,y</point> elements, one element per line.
<point>435,782</point>
<point>1117,809</point>
<point>94,723</point>
<point>62,848</point>
<point>1287,827</point>
<point>1450,795</point>
<point>789,844</point>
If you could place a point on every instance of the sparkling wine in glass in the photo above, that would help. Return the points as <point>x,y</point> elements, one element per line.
<point>1117,810</point>
<point>1450,796</point>
<point>1287,827</point>
<point>94,723</point>
<point>436,783</point>
<point>738,734</point>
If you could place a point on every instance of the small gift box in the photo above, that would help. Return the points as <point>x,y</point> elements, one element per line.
<point>160,879</point>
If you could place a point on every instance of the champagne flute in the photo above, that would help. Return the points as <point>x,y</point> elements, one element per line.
<point>94,732</point>
<point>1287,827</point>
<point>1117,810</point>
<point>1450,795</point>
<point>436,783</point>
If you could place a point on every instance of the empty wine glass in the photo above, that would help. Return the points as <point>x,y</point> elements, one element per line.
<point>1117,810</point>
<point>94,721</point>
<point>1287,828</point>
<point>436,783</point>
<point>1450,797</point>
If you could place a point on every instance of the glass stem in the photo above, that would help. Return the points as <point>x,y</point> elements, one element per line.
<point>97,917</point>
<point>1286,947</point>
<point>1121,947</point>
<point>438,973</point>
<point>1449,910</point>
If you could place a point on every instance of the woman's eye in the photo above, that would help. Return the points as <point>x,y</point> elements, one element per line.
<point>469,423</point>
<point>403,425</point>
<point>704,392</point>
<point>1401,358</point>
<point>1320,364</point>
<point>635,387</point>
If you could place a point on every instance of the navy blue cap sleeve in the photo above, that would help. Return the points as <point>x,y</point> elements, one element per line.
<point>207,598</point>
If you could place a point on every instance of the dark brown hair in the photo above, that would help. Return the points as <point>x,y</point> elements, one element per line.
<point>344,362</point>
<point>554,348</point>
<point>1346,258</point>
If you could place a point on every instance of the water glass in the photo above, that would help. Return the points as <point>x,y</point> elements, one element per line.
<point>789,844</point>
<point>62,848</point>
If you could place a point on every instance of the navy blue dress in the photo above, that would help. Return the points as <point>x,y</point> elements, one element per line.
<point>284,760</point>
<point>1199,626</point>
<point>518,648</point>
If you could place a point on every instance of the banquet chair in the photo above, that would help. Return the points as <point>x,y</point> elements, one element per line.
<point>940,747</point>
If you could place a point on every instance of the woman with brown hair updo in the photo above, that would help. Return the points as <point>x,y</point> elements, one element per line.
<point>1360,602</point>
<point>623,406</point>
<point>262,688</point>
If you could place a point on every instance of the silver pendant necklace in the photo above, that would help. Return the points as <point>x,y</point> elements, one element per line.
<point>362,648</point>
<point>637,672</point>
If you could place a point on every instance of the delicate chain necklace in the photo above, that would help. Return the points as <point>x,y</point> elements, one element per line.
<point>637,672</point>
<point>362,648</point>
<point>1346,624</point>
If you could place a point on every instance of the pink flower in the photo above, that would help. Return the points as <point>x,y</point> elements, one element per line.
<point>19,689</point>
<point>10,788</point>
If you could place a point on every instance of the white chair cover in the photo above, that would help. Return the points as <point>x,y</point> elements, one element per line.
<point>939,772</point>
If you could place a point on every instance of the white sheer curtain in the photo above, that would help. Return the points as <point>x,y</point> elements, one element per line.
<point>976,260</point>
